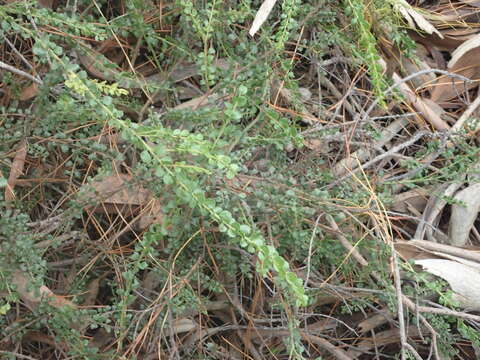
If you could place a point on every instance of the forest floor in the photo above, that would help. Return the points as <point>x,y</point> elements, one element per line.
<point>239,180</point>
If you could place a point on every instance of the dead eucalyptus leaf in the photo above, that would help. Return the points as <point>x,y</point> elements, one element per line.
<point>463,279</point>
<point>463,49</point>
<point>29,92</point>
<point>411,15</point>
<point>16,170</point>
<point>420,105</point>
<point>33,297</point>
<point>183,325</point>
<point>261,15</point>
<point>429,249</point>
<point>118,194</point>
<point>464,215</point>
<point>475,3</point>
<point>447,88</point>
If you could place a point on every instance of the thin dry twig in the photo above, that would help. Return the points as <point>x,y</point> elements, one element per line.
<point>400,81</point>
<point>20,72</point>
<point>385,155</point>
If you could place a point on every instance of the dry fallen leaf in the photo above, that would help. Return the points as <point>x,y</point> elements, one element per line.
<point>475,3</point>
<point>412,16</point>
<point>463,279</point>
<point>118,194</point>
<point>422,249</point>
<point>183,325</point>
<point>33,297</point>
<point>463,49</point>
<point>447,88</point>
<point>464,214</point>
<point>420,105</point>
<point>414,198</point>
<point>261,15</point>
<point>29,92</point>
<point>16,170</point>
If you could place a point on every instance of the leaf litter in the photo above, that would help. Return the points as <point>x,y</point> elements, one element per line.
<point>435,227</point>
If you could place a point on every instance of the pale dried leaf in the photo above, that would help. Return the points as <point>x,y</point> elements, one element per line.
<point>16,170</point>
<point>417,198</point>
<point>409,250</point>
<point>183,325</point>
<point>423,23</point>
<point>116,194</point>
<point>261,15</point>
<point>115,190</point>
<point>420,105</point>
<point>472,254</point>
<point>475,3</point>
<point>447,88</point>
<point>463,49</point>
<point>464,214</point>
<point>463,279</point>
<point>33,297</point>
<point>406,16</point>
<point>410,13</point>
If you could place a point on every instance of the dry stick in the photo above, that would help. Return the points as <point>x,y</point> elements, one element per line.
<point>446,249</point>
<point>447,312</point>
<point>348,246</point>
<point>433,209</point>
<point>408,78</point>
<point>18,53</point>
<point>201,334</point>
<point>341,98</point>
<point>398,290</point>
<point>400,313</point>
<point>426,162</point>
<point>466,114</point>
<point>309,258</point>
<point>412,350</point>
<point>358,156</point>
<point>380,157</point>
<point>350,161</point>
<point>416,309</point>
<point>17,355</point>
<point>338,353</point>
<point>20,72</point>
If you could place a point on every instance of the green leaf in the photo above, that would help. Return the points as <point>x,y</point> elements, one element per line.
<point>145,156</point>
<point>245,229</point>
<point>242,90</point>
<point>4,308</point>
